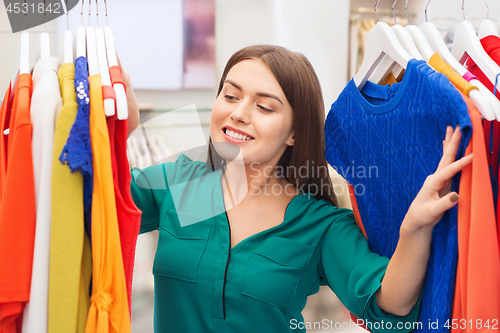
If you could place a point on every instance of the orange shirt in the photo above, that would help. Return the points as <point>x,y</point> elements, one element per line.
<point>477,292</point>
<point>17,211</point>
<point>109,310</point>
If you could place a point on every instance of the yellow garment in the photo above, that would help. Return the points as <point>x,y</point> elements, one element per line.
<point>108,304</point>
<point>67,231</point>
<point>84,297</point>
<point>458,81</point>
<point>390,79</point>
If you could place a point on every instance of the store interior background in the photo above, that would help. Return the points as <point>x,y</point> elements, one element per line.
<point>320,29</point>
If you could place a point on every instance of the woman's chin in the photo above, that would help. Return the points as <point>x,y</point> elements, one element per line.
<point>228,150</point>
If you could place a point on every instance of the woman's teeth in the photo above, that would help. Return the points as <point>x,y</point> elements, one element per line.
<point>237,135</point>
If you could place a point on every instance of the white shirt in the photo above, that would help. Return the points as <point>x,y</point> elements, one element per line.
<point>46,102</point>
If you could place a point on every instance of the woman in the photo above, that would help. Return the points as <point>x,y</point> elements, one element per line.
<point>247,236</point>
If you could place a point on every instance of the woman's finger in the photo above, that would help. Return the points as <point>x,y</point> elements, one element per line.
<point>447,172</point>
<point>445,203</point>
<point>450,148</point>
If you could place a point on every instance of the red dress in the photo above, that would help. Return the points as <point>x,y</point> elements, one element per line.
<point>129,216</point>
<point>17,208</point>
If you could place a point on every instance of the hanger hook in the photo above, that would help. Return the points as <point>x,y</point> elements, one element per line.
<point>90,10</point>
<point>81,15</point>
<point>97,12</point>
<point>463,11</point>
<point>375,9</point>
<point>106,11</point>
<point>394,15</point>
<point>67,16</point>
<point>428,3</point>
<point>487,9</point>
<point>407,16</point>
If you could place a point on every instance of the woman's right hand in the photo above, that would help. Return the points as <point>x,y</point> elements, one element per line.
<point>133,106</point>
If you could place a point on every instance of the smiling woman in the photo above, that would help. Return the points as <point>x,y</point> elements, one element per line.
<point>246,237</point>
<point>273,95</point>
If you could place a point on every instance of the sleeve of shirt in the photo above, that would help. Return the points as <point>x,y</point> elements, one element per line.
<point>155,189</point>
<point>148,188</point>
<point>354,273</point>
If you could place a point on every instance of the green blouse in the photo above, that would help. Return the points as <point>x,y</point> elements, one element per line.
<point>262,283</point>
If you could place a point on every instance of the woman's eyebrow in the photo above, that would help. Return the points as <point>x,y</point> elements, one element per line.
<point>237,86</point>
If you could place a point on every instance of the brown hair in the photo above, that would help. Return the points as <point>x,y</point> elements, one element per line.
<point>301,86</point>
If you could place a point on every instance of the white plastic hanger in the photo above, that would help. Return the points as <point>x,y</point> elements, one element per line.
<point>437,43</point>
<point>381,41</point>
<point>121,96</point>
<point>43,44</point>
<point>80,39</point>
<point>24,58</point>
<point>387,65</point>
<point>405,38</point>
<point>488,27</point>
<point>65,51</point>
<point>92,48</point>
<point>109,103</point>
<point>418,37</point>
<point>466,44</point>
<point>24,65</point>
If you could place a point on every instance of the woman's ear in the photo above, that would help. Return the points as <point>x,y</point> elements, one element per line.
<point>291,140</point>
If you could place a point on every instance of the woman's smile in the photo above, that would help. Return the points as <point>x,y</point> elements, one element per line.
<point>234,135</point>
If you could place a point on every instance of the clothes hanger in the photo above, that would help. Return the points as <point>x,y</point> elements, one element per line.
<point>437,43</point>
<point>24,58</point>
<point>405,38</point>
<point>24,65</point>
<point>92,48</point>
<point>419,38</point>
<point>109,102</point>
<point>65,51</point>
<point>488,27</point>
<point>381,41</point>
<point>80,41</point>
<point>43,43</point>
<point>466,44</point>
<point>121,96</point>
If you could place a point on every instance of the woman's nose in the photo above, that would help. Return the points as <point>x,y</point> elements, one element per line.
<point>241,113</point>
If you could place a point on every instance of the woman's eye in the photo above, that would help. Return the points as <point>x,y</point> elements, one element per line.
<point>265,109</point>
<point>229,97</point>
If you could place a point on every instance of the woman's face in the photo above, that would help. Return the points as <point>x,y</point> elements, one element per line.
<point>252,113</point>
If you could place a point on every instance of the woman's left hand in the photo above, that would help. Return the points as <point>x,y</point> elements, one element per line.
<point>435,198</point>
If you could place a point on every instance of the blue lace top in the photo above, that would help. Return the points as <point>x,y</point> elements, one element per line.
<point>77,152</point>
<point>385,140</point>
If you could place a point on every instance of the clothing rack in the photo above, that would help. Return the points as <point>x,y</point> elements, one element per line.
<point>382,11</point>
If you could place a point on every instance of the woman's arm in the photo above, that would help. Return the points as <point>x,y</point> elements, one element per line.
<point>133,106</point>
<point>405,274</point>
